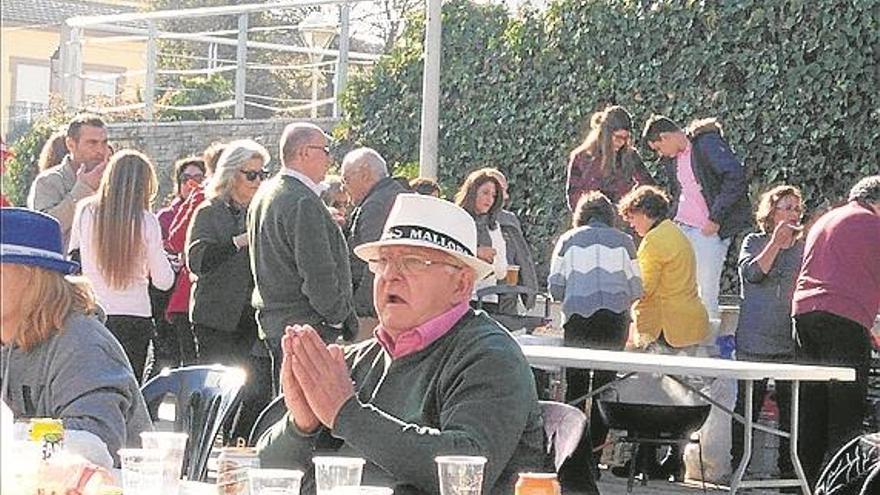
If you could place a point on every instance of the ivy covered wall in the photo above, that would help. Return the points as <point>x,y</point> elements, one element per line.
<point>796,84</point>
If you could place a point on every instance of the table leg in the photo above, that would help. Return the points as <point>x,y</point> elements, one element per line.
<point>793,442</point>
<point>747,439</point>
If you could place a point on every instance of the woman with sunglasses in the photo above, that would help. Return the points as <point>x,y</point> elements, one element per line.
<point>769,263</point>
<point>606,161</point>
<point>218,259</point>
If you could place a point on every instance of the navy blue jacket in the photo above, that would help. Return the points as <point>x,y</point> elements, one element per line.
<point>721,176</point>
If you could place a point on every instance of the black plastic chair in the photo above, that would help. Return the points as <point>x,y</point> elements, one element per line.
<point>854,469</point>
<point>270,415</point>
<point>514,322</point>
<point>204,398</point>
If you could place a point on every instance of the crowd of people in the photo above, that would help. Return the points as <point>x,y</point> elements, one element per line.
<point>276,273</point>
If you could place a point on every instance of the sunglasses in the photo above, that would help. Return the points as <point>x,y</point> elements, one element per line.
<point>196,177</point>
<point>252,175</point>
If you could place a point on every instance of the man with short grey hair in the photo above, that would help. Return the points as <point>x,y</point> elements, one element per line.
<point>835,303</point>
<point>298,254</point>
<point>365,178</point>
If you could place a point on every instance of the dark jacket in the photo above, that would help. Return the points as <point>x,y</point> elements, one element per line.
<point>221,272</point>
<point>367,222</point>
<point>585,174</point>
<point>518,253</point>
<point>471,392</point>
<point>299,258</point>
<point>721,177</point>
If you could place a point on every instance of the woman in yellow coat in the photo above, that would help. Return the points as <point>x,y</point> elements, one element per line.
<point>670,311</point>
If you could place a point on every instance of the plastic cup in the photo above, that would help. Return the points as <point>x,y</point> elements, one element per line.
<point>143,471</point>
<point>512,277</point>
<point>173,445</point>
<point>333,473</point>
<point>460,474</point>
<point>274,481</point>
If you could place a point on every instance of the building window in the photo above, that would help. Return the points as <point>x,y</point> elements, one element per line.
<point>102,85</point>
<point>32,83</point>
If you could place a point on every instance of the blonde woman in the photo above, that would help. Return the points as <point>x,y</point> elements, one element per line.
<point>58,360</point>
<point>120,245</point>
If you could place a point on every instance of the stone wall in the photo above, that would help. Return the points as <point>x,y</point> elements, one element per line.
<point>166,142</point>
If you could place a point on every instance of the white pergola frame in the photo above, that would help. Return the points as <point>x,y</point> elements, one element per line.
<point>72,41</point>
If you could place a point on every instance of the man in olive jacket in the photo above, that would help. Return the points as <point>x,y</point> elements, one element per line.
<point>298,254</point>
<point>365,178</point>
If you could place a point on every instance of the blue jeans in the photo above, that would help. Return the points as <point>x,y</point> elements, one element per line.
<point>710,251</point>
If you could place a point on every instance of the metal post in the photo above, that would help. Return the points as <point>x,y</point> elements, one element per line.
<point>71,66</point>
<point>241,65</point>
<point>430,92</point>
<point>150,78</point>
<point>342,60</point>
<point>314,106</point>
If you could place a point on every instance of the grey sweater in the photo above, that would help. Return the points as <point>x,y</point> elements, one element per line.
<point>471,392</point>
<point>80,375</point>
<point>299,259</point>
<point>764,326</point>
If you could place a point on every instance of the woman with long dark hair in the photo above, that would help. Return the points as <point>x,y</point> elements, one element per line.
<point>606,161</point>
<point>481,196</point>
<point>120,245</point>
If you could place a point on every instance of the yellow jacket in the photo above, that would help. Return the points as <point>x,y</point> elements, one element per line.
<point>670,303</point>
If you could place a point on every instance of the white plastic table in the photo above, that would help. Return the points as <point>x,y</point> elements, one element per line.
<point>747,371</point>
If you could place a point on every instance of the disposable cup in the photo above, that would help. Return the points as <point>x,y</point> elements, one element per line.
<point>333,473</point>
<point>460,474</point>
<point>274,481</point>
<point>174,447</point>
<point>143,471</point>
<point>512,277</point>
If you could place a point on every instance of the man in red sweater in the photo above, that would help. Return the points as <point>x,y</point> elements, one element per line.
<point>835,302</point>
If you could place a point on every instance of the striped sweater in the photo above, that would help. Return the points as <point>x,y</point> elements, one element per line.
<point>594,267</point>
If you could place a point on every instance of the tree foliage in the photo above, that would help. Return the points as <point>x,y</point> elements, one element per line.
<point>794,82</point>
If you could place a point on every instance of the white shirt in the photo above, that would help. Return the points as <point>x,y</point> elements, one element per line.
<point>499,264</point>
<point>133,300</point>
<point>316,188</point>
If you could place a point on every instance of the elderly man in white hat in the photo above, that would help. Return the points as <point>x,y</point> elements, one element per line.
<point>438,378</point>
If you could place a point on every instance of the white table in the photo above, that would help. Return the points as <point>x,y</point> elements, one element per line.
<point>747,371</point>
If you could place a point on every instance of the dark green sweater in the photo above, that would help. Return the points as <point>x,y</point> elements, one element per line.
<point>471,392</point>
<point>299,259</point>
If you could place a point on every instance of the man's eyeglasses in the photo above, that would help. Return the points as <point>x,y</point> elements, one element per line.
<point>407,265</point>
<point>252,175</point>
<point>325,149</point>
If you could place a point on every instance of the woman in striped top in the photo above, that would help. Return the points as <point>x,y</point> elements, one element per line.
<point>595,273</point>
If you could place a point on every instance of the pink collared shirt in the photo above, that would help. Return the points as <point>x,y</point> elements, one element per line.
<point>422,336</point>
<point>692,209</point>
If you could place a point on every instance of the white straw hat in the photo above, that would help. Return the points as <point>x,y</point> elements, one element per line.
<point>425,221</point>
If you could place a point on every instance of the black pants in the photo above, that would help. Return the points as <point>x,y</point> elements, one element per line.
<point>783,400</point>
<point>831,413</point>
<point>135,334</point>
<point>185,339</point>
<point>605,330</point>
<point>165,348</point>
<point>236,349</point>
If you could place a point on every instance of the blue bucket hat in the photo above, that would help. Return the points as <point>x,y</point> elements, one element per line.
<point>29,237</point>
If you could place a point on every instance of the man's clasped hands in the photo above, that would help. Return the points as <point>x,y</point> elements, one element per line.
<point>315,379</point>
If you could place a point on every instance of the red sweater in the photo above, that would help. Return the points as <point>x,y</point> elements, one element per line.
<point>176,243</point>
<point>840,273</point>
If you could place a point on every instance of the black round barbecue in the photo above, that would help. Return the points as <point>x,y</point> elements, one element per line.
<point>652,420</point>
